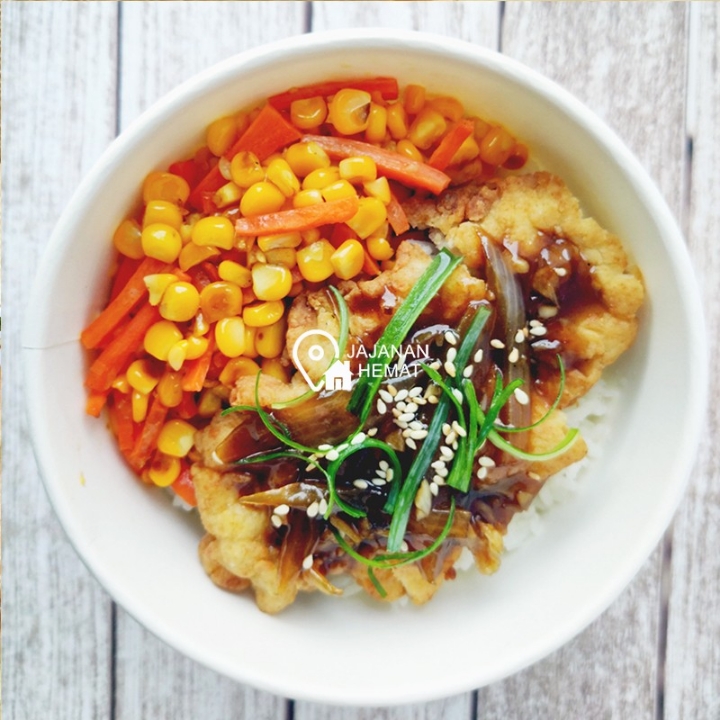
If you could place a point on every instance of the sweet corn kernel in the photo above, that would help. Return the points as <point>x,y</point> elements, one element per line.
<point>357,169</point>
<point>157,284</point>
<point>161,242</point>
<point>264,313</point>
<point>448,107</point>
<point>230,336</point>
<point>261,198</point>
<point>370,216</point>
<point>169,389</point>
<point>165,186</point>
<point>496,146</point>
<point>201,326</point>
<point>176,438</point>
<point>275,242</point>
<point>308,113</point>
<point>235,273</point>
<point>139,406</point>
<point>310,236</point>
<point>282,256</point>
<point>282,176</point>
<point>216,230</point>
<point>221,134</point>
<point>314,261</point>
<point>162,211</point>
<point>271,282</point>
<point>320,178</point>
<point>228,194</point>
<point>192,255</point>
<point>482,127</point>
<point>141,376</point>
<point>349,110</point>
<point>121,384</point>
<point>160,337</point>
<point>397,121</point>
<point>236,368</point>
<point>379,248</point>
<point>427,128</point>
<point>307,197</point>
<point>379,189</point>
<point>518,157</point>
<point>348,259</point>
<point>377,124</point>
<point>469,150</point>
<point>270,340</point>
<point>246,170</point>
<point>274,368</point>
<point>180,302</point>
<point>164,469</point>
<point>304,157</point>
<point>406,148</point>
<point>338,190</point>
<point>250,350</point>
<point>127,239</point>
<point>177,355</point>
<point>209,403</point>
<point>414,99</point>
<point>196,347</point>
<point>220,300</point>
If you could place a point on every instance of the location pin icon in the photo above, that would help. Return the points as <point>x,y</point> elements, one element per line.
<point>315,352</point>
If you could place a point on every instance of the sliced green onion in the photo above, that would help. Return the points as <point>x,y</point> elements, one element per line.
<point>499,442</point>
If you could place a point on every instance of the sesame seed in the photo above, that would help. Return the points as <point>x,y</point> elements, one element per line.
<point>332,455</point>
<point>389,475</point>
<point>401,395</point>
<point>385,395</point>
<point>434,489</point>
<point>538,331</point>
<point>499,344</point>
<point>486,461</point>
<point>519,336</point>
<point>381,407</point>
<point>358,439</point>
<point>380,472</point>
<point>406,417</point>
<point>313,509</point>
<point>360,484</point>
<point>416,392</point>
<point>416,425</point>
<point>433,400</point>
<point>282,509</point>
<point>547,311</point>
<point>406,432</point>
<point>383,465</point>
<point>325,447</point>
<point>392,391</point>
<point>482,472</point>
<point>342,447</point>
<point>411,443</point>
<point>418,434</point>
<point>458,395</point>
<point>450,337</point>
<point>372,432</point>
<point>451,354</point>
<point>276,521</point>
<point>468,371</point>
<point>307,563</point>
<point>560,272</point>
<point>442,472</point>
<point>309,468</point>
<point>404,546</point>
<point>514,355</point>
<point>478,356</point>
<point>323,506</point>
<point>459,429</point>
<point>533,476</point>
<point>445,451</point>
<point>454,445</point>
<point>401,406</point>
<point>439,481</point>
<point>379,482</point>
<point>437,464</point>
<point>411,407</point>
<point>521,396</point>
<point>446,428</point>
<point>451,438</point>
<point>534,323</point>
<point>450,368</point>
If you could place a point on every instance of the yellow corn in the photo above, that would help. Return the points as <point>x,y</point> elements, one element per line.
<point>271,282</point>
<point>320,178</point>
<point>162,211</point>
<point>169,389</point>
<point>448,107</point>
<point>217,231</point>
<point>357,169</point>
<point>270,340</point>
<point>379,248</point>
<point>308,113</point>
<point>164,469</point>
<point>196,346</point>
<point>141,376</point>
<point>348,259</point>
<point>264,313</point>
<point>349,110</point>
<point>160,337</point>
<point>228,194</point>
<point>230,336</point>
<point>469,150</point>
<point>370,216</point>
<point>220,299</point>
<point>221,134</point>
<point>177,355</point>
<point>307,197</point>
<point>157,284</point>
<point>275,242</point>
<point>176,438</point>
<point>338,190</point>
<point>192,255</point>
<point>250,349</point>
<point>397,121</point>
<point>377,124</point>
<point>246,170</point>
<point>127,239</point>
<point>261,198</point>
<point>120,383</point>
<point>274,368</point>
<point>496,146</point>
<point>161,242</point>
<point>314,261</point>
<point>282,256</point>
<point>236,368</point>
<point>379,189</point>
<point>180,302</point>
<point>406,148</point>
<point>428,127</point>
<point>282,176</point>
<point>200,325</point>
<point>187,226</point>
<point>165,186</point>
<point>235,273</point>
<point>414,99</point>
<point>310,236</point>
<point>209,403</point>
<point>304,157</point>
<point>139,406</point>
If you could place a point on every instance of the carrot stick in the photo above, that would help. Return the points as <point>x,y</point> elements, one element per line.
<point>196,370</point>
<point>147,440</point>
<point>111,360</point>
<point>95,403</point>
<point>370,266</point>
<point>449,145</point>
<point>299,219</point>
<point>386,86</point>
<point>122,422</point>
<point>126,267</point>
<point>396,216</point>
<point>123,303</point>
<point>389,163</point>
<point>184,486</point>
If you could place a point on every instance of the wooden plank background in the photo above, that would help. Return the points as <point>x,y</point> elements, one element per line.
<point>74,74</point>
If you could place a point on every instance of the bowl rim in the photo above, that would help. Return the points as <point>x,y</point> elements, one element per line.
<point>311,43</point>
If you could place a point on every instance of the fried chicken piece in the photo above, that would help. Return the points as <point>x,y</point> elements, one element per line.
<point>208,551</point>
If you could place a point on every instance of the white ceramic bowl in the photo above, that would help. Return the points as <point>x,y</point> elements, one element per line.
<point>477,629</point>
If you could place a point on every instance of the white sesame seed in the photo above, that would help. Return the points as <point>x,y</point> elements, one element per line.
<point>534,323</point>
<point>282,509</point>
<point>307,563</point>
<point>442,472</point>
<point>411,443</point>
<point>372,432</point>
<point>404,546</point>
<point>482,472</point>
<point>547,311</point>
<point>385,395</point>
<point>478,356</point>
<point>358,439</point>
<point>437,464</point>
<point>519,336</point>
<point>446,428</point>
<point>323,506</point>
<point>450,337</point>
<point>418,434</point>
<point>538,331</point>
<point>533,476</point>
<point>342,447</point>
<point>360,484</point>
<point>389,475</point>
<point>499,344</point>
<point>332,455</point>
<point>276,521</point>
<point>560,272</point>
<point>435,364</point>
<point>445,451</point>
<point>451,354</point>
<point>401,395</point>
<point>514,355</point>
<point>439,481</point>
<point>383,465</point>
<point>380,472</point>
<point>313,509</point>
<point>434,489</point>
<point>416,425</point>
<point>411,407</point>
<point>433,400</point>
<point>407,417</point>
<point>416,392</point>
<point>450,368</point>
<point>401,406</point>
<point>378,482</point>
<point>521,396</point>
<point>486,461</point>
<point>381,407</point>
<point>455,445</point>
<point>406,432</point>
<point>392,391</point>
<point>459,429</point>
<point>458,395</point>
<point>451,438</point>
<point>309,468</point>
<point>468,371</point>
<point>325,447</point>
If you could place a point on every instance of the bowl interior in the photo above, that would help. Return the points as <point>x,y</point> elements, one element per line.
<point>144,552</point>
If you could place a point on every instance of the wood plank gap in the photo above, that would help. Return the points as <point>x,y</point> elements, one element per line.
<point>118,72</point>
<point>663,620</point>
<point>113,661</point>
<point>308,16</point>
<point>474,702</point>
<point>501,23</point>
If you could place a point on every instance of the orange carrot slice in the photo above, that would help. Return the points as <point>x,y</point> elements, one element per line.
<point>386,86</point>
<point>449,145</point>
<point>396,216</point>
<point>146,442</point>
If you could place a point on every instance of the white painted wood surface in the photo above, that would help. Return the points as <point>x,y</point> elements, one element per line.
<point>73,73</point>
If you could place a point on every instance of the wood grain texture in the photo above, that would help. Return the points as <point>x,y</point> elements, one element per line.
<point>692,675</point>
<point>58,115</point>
